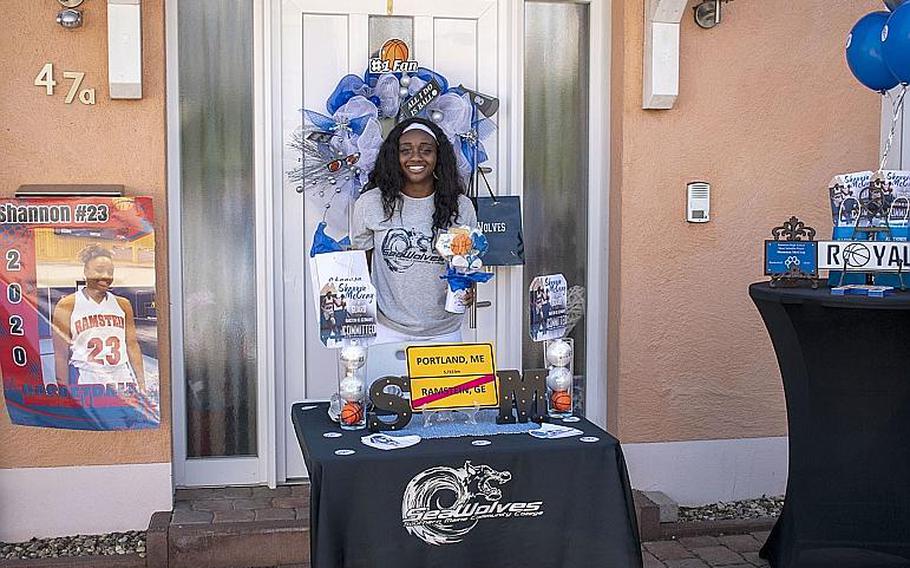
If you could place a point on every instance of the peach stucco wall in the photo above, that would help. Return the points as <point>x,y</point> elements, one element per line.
<point>43,140</point>
<point>768,112</point>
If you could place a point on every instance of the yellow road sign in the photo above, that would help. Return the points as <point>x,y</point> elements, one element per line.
<point>445,377</point>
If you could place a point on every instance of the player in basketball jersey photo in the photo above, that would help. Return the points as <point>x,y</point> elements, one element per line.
<point>94,330</point>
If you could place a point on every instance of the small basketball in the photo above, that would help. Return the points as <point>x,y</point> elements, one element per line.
<point>461,244</point>
<point>352,413</point>
<point>561,401</point>
<point>392,51</point>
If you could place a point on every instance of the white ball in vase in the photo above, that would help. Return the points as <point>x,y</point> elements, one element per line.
<point>559,353</point>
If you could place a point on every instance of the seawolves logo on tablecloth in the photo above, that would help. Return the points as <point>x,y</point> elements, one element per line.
<point>442,504</point>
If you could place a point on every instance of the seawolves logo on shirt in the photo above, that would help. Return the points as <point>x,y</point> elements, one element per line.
<point>402,248</point>
<point>442,504</point>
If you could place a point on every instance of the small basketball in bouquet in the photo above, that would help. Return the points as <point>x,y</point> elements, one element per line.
<point>462,247</point>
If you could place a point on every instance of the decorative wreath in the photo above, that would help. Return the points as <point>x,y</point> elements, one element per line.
<point>340,147</point>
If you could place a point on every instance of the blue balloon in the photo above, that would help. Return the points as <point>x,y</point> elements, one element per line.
<point>893,4</point>
<point>896,43</point>
<point>864,52</point>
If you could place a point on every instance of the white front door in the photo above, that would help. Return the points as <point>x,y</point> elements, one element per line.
<point>321,41</point>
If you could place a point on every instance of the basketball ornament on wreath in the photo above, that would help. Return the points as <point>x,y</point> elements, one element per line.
<point>393,57</point>
<point>338,145</point>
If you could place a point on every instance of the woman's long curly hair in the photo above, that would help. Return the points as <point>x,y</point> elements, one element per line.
<point>387,176</point>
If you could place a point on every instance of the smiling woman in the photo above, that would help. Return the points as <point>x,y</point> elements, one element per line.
<point>413,193</point>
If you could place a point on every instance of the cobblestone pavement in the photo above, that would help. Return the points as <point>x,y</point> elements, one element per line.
<point>732,551</point>
<point>238,504</point>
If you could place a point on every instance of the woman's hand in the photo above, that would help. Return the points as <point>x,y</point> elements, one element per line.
<point>469,296</point>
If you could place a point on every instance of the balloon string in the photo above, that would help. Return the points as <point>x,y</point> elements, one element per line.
<point>896,107</point>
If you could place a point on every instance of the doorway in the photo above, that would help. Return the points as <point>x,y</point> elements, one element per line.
<point>288,55</point>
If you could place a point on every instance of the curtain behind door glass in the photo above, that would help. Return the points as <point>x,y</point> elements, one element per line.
<point>217,226</point>
<point>556,160</point>
<point>384,28</point>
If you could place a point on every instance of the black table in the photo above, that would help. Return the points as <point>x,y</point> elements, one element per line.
<point>845,364</point>
<point>543,503</point>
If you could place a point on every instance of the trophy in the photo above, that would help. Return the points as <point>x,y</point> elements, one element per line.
<point>352,387</point>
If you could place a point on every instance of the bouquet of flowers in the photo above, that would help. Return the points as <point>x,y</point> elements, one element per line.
<point>462,247</point>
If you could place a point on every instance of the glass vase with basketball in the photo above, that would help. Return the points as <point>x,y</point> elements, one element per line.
<point>352,387</point>
<point>559,360</point>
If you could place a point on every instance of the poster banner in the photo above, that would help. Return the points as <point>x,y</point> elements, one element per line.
<point>848,191</point>
<point>79,348</point>
<point>549,307</point>
<point>345,297</point>
<point>844,192</point>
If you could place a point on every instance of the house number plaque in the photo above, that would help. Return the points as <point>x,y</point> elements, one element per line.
<point>45,78</point>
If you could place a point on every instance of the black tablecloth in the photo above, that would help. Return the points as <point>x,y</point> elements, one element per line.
<point>563,503</point>
<point>845,363</point>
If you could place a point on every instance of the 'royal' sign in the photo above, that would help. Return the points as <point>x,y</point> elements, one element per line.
<point>866,256</point>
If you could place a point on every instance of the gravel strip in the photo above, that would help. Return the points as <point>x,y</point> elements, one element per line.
<point>747,509</point>
<point>131,542</point>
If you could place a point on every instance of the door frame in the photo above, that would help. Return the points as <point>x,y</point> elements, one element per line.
<point>259,469</point>
<point>599,188</point>
<point>282,12</point>
<point>269,466</point>
<point>599,169</point>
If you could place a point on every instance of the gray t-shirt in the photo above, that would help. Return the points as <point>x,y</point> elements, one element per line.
<point>411,296</point>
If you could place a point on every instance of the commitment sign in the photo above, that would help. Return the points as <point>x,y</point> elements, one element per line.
<point>873,256</point>
<point>447,377</point>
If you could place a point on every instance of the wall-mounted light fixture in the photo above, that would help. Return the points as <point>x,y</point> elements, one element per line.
<point>660,74</point>
<point>124,49</point>
<point>707,13</point>
<point>70,17</point>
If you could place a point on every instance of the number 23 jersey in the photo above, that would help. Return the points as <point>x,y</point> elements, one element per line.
<point>98,332</point>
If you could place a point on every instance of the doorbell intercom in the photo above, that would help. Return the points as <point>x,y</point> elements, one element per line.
<point>698,202</point>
